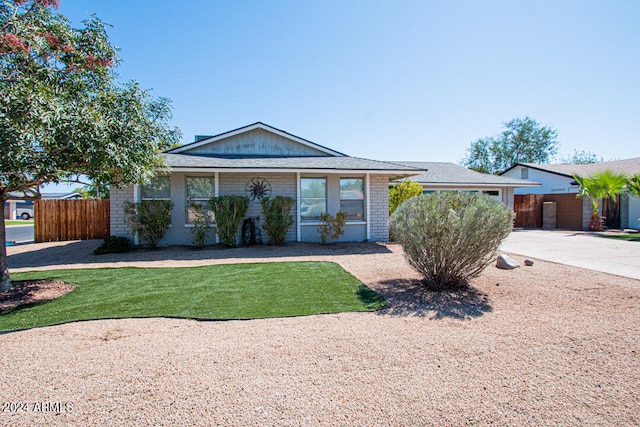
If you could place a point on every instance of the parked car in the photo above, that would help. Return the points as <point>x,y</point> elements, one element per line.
<point>24,212</point>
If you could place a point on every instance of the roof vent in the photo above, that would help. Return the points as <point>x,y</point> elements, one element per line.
<point>202,137</point>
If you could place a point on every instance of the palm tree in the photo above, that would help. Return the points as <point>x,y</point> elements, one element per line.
<point>633,185</point>
<point>597,187</point>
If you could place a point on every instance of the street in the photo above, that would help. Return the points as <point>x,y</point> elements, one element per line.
<point>20,233</point>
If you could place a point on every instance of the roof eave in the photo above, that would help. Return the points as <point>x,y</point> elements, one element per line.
<point>397,173</point>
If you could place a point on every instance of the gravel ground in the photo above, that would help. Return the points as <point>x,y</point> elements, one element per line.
<point>542,345</point>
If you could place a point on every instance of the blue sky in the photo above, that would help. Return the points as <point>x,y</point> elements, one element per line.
<point>401,80</point>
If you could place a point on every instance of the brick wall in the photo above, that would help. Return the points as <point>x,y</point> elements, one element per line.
<point>379,215</point>
<point>281,185</point>
<point>234,183</point>
<point>117,222</point>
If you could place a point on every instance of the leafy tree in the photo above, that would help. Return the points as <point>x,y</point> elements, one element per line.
<point>581,157</point>
<point>522,140</point>
<point>63,114</point>
<point>402,192</point>
<point>603,185</point>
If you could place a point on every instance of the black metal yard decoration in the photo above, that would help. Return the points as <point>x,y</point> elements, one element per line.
<point>257,189</point>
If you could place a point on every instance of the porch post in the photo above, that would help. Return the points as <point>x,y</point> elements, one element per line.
<point>367,197</point>
<point>136,199</point>
<point>298,236</point>
<point>216,193</point>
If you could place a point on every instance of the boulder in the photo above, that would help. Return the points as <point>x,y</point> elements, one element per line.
<point>505,262</point>
<point>528,262</point>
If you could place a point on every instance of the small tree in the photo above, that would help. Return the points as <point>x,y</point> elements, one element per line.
<point>229,211</point>
<point>201,225</point>
<point>149,220</point>
<point>402,192</point>
<point>597,187</point>
<point>450,237</point>
<point>331,227</point>
<point>277,218</point>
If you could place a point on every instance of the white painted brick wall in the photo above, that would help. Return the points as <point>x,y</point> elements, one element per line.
<point>379,215</point>
<point>117,219</point>
<point>281,185</point>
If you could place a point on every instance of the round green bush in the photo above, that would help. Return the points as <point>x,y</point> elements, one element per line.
<point>450,237</point>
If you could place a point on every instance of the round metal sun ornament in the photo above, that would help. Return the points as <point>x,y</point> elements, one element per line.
<point>257,189</point>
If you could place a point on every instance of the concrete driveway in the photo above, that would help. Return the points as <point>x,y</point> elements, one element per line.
<point>577,249</point>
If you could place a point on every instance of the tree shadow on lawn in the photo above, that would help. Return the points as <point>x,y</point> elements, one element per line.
<point>81,252</point>
<point>409,297</point>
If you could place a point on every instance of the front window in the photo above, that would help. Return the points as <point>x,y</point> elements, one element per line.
<point>313,198</point>
<point>199,190</point>
<point>352,198</point>
<point>159,188</point>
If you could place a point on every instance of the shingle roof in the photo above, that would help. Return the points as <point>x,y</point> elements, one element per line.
<point>626,166</point>
<point>443,173</point>
<point>289,163</point>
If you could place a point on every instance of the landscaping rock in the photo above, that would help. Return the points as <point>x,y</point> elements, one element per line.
<point>528,262</point>
<point>505,262</point>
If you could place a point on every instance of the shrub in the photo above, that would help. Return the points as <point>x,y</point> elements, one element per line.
<point>200,221</point>
<point>331,227</point>
<point>277,218</point>
<point>229,211</point>
<point>450,237</point>
<point>402,192</point>
<point>149,220</point>
<point>113,245</point>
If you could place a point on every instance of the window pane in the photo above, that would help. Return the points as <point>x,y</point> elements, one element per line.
<point>312,208</point>
<point>353,208</point>
<point>200,187</point>
<point>492,192</point>
<point>191,212</point>
<point>313,187</point>
<point>158,188</point>
<point>352,188</point>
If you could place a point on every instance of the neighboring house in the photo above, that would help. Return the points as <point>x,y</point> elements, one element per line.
<point>61,196</point>
<point>441,176</point>
<point>15,208</point>
<point>259,160</point>
<point>557,180</point>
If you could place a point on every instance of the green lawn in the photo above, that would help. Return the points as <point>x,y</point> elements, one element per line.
<point>18,222</point>
<point>236,291</point>
<point>627,237</point>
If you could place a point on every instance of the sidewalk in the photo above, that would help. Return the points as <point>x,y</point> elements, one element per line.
<point>577,249</point>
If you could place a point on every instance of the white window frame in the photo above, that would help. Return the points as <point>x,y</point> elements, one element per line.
<point>198,199</point>
<point>364,212</point>
<point>156,198</point>
<point>326,190</point>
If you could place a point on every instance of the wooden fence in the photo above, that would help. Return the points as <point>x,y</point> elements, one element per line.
<point>528,208</point>
<point>60,220</point>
